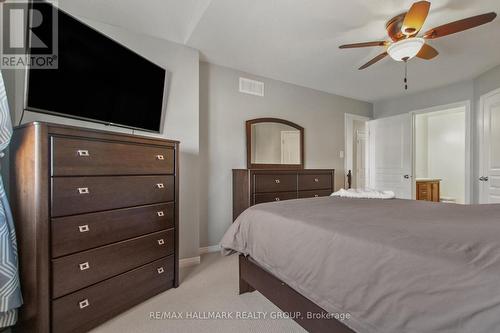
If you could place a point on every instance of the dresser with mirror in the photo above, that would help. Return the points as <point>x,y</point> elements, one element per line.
<point>275,167</point>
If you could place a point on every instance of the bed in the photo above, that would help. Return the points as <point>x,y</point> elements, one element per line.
<point>373,266</point>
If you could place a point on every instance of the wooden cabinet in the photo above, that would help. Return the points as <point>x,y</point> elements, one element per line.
<point>428,190</point>
<point>255,186</point>
<point>97,220</point>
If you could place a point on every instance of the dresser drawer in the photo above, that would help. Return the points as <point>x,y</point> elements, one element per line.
<point>87,308</point>
<point>314,193</point>
<point>81,232</point>
<point>80,270</point>
<point>76,195</point>
<point>270,197</point>
<point>275,183</point>
<point>79,157</point>
<point>315,182</point>
<point>423,191</point>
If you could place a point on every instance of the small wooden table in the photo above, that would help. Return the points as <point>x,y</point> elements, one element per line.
<point>428,189</point>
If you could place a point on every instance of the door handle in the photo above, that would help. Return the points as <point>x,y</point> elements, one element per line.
<point>486,179</point>
<point>406,176</point>
<point>481,179</point>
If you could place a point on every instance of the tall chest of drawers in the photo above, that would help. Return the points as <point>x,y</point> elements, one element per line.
<point>96,216</point>
<point>255,186</point>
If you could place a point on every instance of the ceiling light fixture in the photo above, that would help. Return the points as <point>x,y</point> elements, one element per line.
<point>405,49</point>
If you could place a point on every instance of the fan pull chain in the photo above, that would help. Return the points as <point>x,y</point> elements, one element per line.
<point>406,75</point>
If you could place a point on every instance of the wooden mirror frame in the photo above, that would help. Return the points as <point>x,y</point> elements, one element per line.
<point>251,165</point>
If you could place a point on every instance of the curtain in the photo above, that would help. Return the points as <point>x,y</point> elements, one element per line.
<point>10,292</point>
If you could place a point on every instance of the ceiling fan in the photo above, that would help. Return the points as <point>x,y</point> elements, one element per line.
<point>403,31</point>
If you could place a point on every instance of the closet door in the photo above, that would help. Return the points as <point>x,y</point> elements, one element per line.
<point>489,179</point>
<point>390,155</point>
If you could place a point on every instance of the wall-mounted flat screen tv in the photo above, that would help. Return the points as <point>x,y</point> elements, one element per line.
<point>97,79</point>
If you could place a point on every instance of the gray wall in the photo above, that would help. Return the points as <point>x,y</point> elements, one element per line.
<point>470,90</point>
<point>181,116</point>
<point>223,112</point>
<point>457,92</point>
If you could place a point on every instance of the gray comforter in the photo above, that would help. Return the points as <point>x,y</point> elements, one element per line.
<point>395,266</point>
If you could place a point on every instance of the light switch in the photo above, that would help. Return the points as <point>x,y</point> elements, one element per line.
<point>341,154</point>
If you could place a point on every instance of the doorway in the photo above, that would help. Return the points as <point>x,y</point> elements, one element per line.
<point>441,154</point>
<point>390,155</point>
<point>355,161</point>
<point>290,147</point>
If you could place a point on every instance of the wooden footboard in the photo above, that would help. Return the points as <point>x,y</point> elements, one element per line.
<point>253,277</point>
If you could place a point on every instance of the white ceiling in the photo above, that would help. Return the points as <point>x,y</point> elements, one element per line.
<point>297,41</point>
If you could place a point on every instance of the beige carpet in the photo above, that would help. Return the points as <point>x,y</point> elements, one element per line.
<point>208,287</point>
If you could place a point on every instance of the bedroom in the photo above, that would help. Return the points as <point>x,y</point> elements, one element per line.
<point>289,58</point>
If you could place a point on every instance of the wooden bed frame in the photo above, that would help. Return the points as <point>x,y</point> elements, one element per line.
<point>253,277</point>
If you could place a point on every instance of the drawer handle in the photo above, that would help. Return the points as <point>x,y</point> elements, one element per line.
<point>84,266</point>
<point>160,213</point>
<point>276,199</point>
<point>83,190</point>
<point>83,153</point>
<point>277,181</point>
<point>316,195</point>
<point>83,228</point>
<point>316,180</point>
<point>160,270</point>
<point>83,304</point>
<point>160,185</point>
<point>161,241</point>
<point>160,157</point>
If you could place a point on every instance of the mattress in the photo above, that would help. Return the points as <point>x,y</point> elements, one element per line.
<point>394,266</point>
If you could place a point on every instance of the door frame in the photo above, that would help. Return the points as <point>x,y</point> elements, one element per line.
<point>361,135</point>
<point>349,119</point>
<point>468,144</point>
<point>482,148</point>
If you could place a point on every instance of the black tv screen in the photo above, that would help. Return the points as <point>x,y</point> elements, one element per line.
<point>97,79</point>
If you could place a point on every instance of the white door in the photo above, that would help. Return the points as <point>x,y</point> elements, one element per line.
<point>361,159</point>
<point>489,181</point>
<point>390,155</point>
<point>290,147</point>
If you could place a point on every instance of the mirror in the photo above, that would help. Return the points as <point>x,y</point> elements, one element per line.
<point>274,144</point>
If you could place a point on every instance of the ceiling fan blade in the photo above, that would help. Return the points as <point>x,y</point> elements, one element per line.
<point>367,44</point>
<point>415,18</point>
<point>427,52</point>
<point>374,60</point>
<point>461,25</point>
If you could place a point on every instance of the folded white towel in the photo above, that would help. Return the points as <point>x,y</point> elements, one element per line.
<point>364,194</point>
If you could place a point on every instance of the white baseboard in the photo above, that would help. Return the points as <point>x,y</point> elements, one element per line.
<point>186,262</point>
<point>209,249</point>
